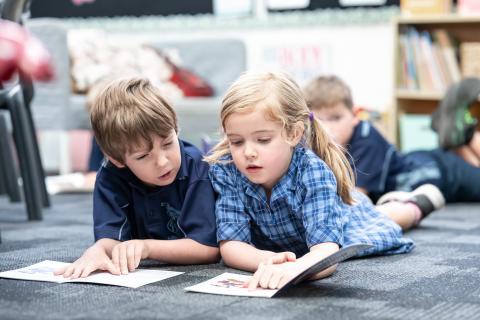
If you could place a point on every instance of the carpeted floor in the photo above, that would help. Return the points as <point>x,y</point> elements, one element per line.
<point>439,280</point>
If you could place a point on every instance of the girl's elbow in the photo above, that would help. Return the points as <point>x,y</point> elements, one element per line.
<point>212,255</point>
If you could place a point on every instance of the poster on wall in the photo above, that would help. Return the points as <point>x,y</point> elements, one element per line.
<point>302,61</point>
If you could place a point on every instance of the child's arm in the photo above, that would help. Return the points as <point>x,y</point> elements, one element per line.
<point>97,257</point>
<point>243,256</point>
<point>127,255</point>
<point>275,276</point>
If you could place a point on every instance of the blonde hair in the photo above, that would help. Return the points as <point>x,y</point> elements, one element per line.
<point>326,92</point>
<point>126,113</point>
<point>283,101</point>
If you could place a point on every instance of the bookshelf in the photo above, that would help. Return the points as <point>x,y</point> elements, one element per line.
<point>425,66</point>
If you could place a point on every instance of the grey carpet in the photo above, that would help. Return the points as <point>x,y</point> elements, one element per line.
<point>439,280</point>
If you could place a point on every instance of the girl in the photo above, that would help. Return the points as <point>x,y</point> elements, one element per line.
<point>285,188</point>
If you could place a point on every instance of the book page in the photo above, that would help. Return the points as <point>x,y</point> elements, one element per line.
<point>43,271</point>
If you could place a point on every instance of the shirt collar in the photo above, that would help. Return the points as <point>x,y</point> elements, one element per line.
<point>183,170</point>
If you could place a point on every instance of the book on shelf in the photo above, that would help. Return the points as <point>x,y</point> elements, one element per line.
<point>427,60</point>
<point>470,63</point>
<point>448,50</point>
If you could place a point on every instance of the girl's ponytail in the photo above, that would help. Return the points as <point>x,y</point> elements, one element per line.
<point>334,156</point>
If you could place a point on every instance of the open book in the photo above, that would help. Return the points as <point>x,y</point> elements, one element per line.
<point>43,271</point>
<point>233,284</point>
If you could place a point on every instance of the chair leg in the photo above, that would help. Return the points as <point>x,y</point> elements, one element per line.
<point>8,170</point>
<point>28,93</point>
<point>38,160</point>
<point>24,141</point>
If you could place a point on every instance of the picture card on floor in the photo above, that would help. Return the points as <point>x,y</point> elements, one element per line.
<point>43,271</point>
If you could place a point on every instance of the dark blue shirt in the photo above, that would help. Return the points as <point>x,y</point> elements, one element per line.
<point>124,208</point>
<point>381,168</point>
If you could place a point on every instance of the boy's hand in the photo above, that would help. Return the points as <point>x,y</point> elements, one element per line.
<point>273,276</point>
<point>126,256</point>
<point>94,258</point>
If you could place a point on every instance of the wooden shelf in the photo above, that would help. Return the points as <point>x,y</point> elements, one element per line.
<point>418,95</point>
<point>439,19</point>
<point>420,102</point>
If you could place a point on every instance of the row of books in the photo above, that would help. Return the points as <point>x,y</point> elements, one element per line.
<point>428,60</point>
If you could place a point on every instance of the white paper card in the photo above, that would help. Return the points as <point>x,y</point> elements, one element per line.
<point>43,271</point>
<point>230,284</point>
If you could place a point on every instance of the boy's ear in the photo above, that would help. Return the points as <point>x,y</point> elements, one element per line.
<point>356,119</point>
<point>115,162</point>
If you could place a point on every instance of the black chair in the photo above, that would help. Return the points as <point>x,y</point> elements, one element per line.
<point>8,172</point>
<point>16,98</point>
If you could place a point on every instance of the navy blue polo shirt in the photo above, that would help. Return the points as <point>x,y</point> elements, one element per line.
<point>124,208</point>
<point>377,163</point>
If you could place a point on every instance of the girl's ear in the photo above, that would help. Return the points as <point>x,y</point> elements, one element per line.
<point>298,131</point>
<point>115,162</point>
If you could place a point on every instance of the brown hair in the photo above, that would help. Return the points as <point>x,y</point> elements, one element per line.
<point>283,101</point>
<point>126,113</point>
<point>327,91</point>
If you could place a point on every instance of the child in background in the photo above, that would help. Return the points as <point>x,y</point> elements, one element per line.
<point>380,167</point>
<point>153,198</point>
<point>285,188</point>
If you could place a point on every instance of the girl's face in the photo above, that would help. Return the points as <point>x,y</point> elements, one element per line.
<point>259,149</point>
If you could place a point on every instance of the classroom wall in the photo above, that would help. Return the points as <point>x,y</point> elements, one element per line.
<point>361,54</point>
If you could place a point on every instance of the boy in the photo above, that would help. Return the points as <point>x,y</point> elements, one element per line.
<point>152,196</point>
<point>380,167</point>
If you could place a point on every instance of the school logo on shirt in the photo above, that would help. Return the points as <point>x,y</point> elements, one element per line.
<point>172,224</point>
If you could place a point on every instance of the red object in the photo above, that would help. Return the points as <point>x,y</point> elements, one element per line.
<point>19,51</point>
<point>190,84</point>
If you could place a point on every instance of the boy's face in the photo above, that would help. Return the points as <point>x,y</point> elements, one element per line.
<point>339,122</point>
<point>158,166</point>
<point>259,149</point>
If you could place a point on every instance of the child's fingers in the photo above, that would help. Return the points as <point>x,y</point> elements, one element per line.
<point>275,280</point>
<point>86,272</point>
<point>253,284</point>
<point>111,267</point>
<point>77,272</point>
<point>69,270</point>
<point>277,258</point>
<point>138,256</point>
<point>115,258</point>
<point>60,271</point>
<point>122,259</point>
<point>131,257</point>
<point>283,281</point>
<point>290,256</point>
<point>265,278</point>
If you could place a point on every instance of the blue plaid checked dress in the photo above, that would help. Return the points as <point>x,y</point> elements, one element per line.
<point>304,210</point>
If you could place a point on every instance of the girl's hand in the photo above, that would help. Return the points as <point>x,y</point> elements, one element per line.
<point>94,258</point>
<point>280,257</point>
<point>126,256</point>
<point>273,276</point>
